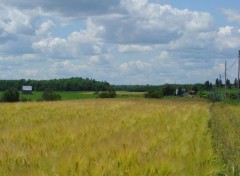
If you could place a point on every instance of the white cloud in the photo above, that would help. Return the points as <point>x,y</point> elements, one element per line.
<point>228,38</point>
<point>148,23</point>
<point>44,28</point>
<point>232,15</point>
<point>69,11</point>
<point>131,41</point>
<point>134,48</point>
<point>134,67</point>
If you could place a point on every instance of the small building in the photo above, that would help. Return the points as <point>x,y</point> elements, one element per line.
<point>27,89</point>
<point>180,91</point>
<point>192,93</point>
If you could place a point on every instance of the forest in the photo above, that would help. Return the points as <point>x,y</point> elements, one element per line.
<point>66,84</point>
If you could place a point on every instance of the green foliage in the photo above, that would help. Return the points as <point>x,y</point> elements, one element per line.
<point>110,93</point>
<point>104,95</point>
<point>50,95</point>
<point>214,96</point>
<point>168,90</point>
<point>232,96</point>
<point>10,95</point>
<point>195,88</point>
<point>225,129</point>
<point>69,84</point>
<point>24,99</point>
<point>154,94</point>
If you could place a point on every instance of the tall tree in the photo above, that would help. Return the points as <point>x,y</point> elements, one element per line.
<point>217,82</point>
<point>235,83</point>
<point>228,84</point>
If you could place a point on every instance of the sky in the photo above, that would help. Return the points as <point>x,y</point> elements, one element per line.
<point>120,41</point>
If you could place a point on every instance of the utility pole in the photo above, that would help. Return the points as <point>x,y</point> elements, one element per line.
<point>238,74</point>
<point>225,79</point>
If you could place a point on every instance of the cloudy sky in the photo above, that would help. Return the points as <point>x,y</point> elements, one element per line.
<point>120,41</point>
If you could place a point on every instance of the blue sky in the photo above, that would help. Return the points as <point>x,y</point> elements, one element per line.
<point>120,41</point>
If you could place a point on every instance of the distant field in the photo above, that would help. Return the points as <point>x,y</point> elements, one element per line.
<point>106,137</point>
<point>67,95</point>
<point>72,95</point>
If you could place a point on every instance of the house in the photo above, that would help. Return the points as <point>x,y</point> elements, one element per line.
<point>180,91</point>
<point>27,89</point>
<point>192,93</point>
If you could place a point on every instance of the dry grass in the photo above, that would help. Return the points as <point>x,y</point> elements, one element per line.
<point>106,137</point>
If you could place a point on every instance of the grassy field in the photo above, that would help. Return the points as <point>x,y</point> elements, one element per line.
<point>106,137</point>
<point>225,125</point>
<point>71,95</point>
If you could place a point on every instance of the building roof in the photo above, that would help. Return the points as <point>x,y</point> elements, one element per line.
<point>27,88</point>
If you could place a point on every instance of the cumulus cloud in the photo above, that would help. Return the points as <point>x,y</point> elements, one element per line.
<point>232,15</point>
<point>148,23</point>
<point>75,9</point>
<point>134,48</point>
<point>75,45</point>
<point>228,37</point>
<point>118,40</point>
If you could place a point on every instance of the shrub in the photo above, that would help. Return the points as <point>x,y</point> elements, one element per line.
<point>24,99</point>
<point>154,94</point>
<point>10,95</point>
<point>50,95</point>
<point>110,93</point>
<point>233,96</point>
<point>214,96</point>
<point>104,95</point>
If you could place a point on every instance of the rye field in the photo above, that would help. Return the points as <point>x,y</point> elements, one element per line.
<point>119,137</point>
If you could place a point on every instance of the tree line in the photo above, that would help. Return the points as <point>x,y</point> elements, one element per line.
<point>146,88</point>
<point>66,84</point>
<point>219,84</point>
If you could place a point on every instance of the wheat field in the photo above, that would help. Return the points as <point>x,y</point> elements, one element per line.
<point>118,137</point>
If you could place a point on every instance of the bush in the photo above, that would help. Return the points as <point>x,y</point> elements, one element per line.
<point>154,94</point>
<point>104,95</point>
<point>10,95</point>
<point>110,93</point>
<point>214,96</point>
<point>24,99</point>
<point>233,96</point>
<point>50,95</point>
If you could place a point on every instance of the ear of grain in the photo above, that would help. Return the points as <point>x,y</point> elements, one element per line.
<point>106,137</point>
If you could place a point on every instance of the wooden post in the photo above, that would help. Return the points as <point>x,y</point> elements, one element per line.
<point>238,75</point>
<point>225,79</point>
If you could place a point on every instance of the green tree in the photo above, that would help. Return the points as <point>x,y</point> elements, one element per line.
<point>50,95</point>
<point>228,84</point>
<point>10,95</point>
<point>217,82</point>
<point>195,88</point>
<point>235,83</point>
<point>110,93</point>
<point>168,90</point>
<point>154,94</point>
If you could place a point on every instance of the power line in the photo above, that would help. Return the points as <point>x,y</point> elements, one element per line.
<point>232,64</point>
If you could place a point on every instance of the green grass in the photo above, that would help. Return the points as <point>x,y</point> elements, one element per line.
<point>72,95</point>
<point>66,95</point>
<point>225,126</point>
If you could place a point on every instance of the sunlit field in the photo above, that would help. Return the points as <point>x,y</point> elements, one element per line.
<point>106,137</point>
<point>225,126</point>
